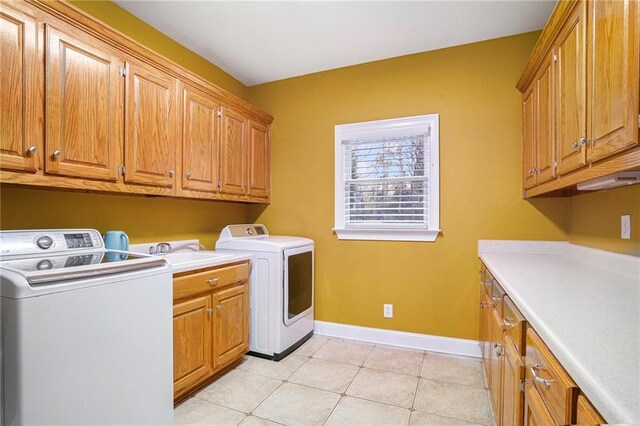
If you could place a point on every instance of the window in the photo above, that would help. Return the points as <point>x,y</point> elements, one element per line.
<point>387,182</point>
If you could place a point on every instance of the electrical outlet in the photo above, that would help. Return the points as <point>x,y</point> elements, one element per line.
<point>625,227</point>
<point>388,311</point>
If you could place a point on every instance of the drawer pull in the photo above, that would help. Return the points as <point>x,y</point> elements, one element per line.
<point>212,281</point>
<point>507,322</point>
<point>496,299</point>
<point>534,373</point>
<point>498,351</point>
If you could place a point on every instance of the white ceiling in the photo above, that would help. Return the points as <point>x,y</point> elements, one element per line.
<point>262,41</point>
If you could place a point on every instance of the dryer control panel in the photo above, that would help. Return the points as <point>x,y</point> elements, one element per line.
<point>244,231</point>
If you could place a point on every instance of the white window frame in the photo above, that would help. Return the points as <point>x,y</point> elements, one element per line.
<point>389,128</point>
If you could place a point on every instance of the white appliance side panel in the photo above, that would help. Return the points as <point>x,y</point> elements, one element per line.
<point>100,355</point>
<point>259,333</point>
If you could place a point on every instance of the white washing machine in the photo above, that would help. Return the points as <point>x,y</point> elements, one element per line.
<point>282,283</point>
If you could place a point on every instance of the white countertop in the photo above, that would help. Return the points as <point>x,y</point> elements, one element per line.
<point>584,303</point>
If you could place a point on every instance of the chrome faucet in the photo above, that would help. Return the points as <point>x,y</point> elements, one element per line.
<point>165,248</point>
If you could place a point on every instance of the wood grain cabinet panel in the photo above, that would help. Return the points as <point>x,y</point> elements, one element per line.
<point>496,364</point>
<point>83,106</point>
<point>150,126</point>
<point>586,414</point>
<point>233,153</point>
<point>19,138</point>
<point>259,160</point>
<point>513,378</point>
<point>529,139</point>
<point>231,327</point>
<point>535,412</point>
<point>192,337</point>
<point>571,115</point>
<point>545,142</point>
<point>614,45</point>
<point>200,140</point>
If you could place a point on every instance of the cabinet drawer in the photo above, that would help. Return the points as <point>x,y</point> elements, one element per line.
<point>486,278</point>
<point>554,385</point>
<point>514,324</point>
<point>586,414</point>
<point>200,282</point>
<point>497,296</point>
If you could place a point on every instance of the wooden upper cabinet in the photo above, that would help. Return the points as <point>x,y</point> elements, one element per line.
<point>545,133</point>
<point>571,114</point>
<point>231,324</point>
<point>528,139</point>
<point>233,158</point>
<point>83,106</point>
<point>259,160</point>
<point>192,338</point>
<point>150,126</point>
<point>19,137</point>
<point>614,45</point>
<point>200,140</point>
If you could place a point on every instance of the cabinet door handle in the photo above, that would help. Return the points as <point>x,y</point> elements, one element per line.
<point>496,299</point>
<point>209,311</point>
<point>484,305</point>
<point>212,281</point>
<point>507,322</point>
<point>32,150</point>
<point>498,352</point>
<point>56,153</point>
<point>171,173</point>
<point>581,142</point>
<point>188,175</point>
<point>534,374</point>
<point>218,307</point>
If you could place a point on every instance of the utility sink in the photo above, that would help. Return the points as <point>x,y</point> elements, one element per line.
<point>188,260</point>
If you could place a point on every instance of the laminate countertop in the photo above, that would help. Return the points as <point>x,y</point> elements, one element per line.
<point>584,303</point>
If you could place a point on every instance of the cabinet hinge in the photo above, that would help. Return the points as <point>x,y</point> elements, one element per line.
<point>555,58</point>
<point>121,169</point>
<point>218,184</point>
<point>122,71</point>
<point>522,383</point>
<point>220,112</point>
<point>555,165</point>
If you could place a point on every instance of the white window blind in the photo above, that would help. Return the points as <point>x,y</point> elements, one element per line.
<point>385,186</point>
<point>385,181</point>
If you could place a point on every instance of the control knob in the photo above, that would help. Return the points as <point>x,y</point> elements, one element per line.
<point>44,242</point>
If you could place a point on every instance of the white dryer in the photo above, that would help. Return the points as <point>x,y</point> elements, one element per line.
<point>281,287</point>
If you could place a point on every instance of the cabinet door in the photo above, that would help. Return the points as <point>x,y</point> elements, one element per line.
<point>200,141</point>
<point>545,134</point>
<point>150,136</point>
<point>529,138</point>
<point>614,45</point>
<point>231,327</point>
<point>571,92</point>
<point>83,107</point>
<point>192,334</point>
<point>233,155</point>
<point>485,310</point>
<point>535,412</point>
<point>259,160</point>
<point>496,364</point>
<point>513,376</point>
<point>18,90</point>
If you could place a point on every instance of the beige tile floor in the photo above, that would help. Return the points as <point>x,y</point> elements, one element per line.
<point>330,381</point>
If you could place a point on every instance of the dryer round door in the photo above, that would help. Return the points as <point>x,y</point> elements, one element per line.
<point>298,283</point>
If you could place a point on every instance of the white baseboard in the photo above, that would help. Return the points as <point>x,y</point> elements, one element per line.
<point>425,342</point>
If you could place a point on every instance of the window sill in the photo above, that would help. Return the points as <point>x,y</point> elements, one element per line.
<point>388,234</point>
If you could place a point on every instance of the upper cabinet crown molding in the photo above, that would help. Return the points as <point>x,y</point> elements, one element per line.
<point>580,96</point>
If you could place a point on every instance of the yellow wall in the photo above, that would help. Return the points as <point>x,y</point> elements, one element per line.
<point>595,219</point>
<point>433,286</point>
<point>120,19</point>
<point>142,218</point>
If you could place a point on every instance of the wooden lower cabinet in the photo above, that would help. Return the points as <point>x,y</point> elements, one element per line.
<point>526,383</point>
<point>210,325</point>
<point>192,337</point>
<point>512,382</point>
<point>535,412</point>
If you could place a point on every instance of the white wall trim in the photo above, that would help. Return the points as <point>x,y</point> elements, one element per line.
<point>426,342</point>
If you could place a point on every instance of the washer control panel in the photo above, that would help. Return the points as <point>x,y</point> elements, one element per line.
<point>26,243</point>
